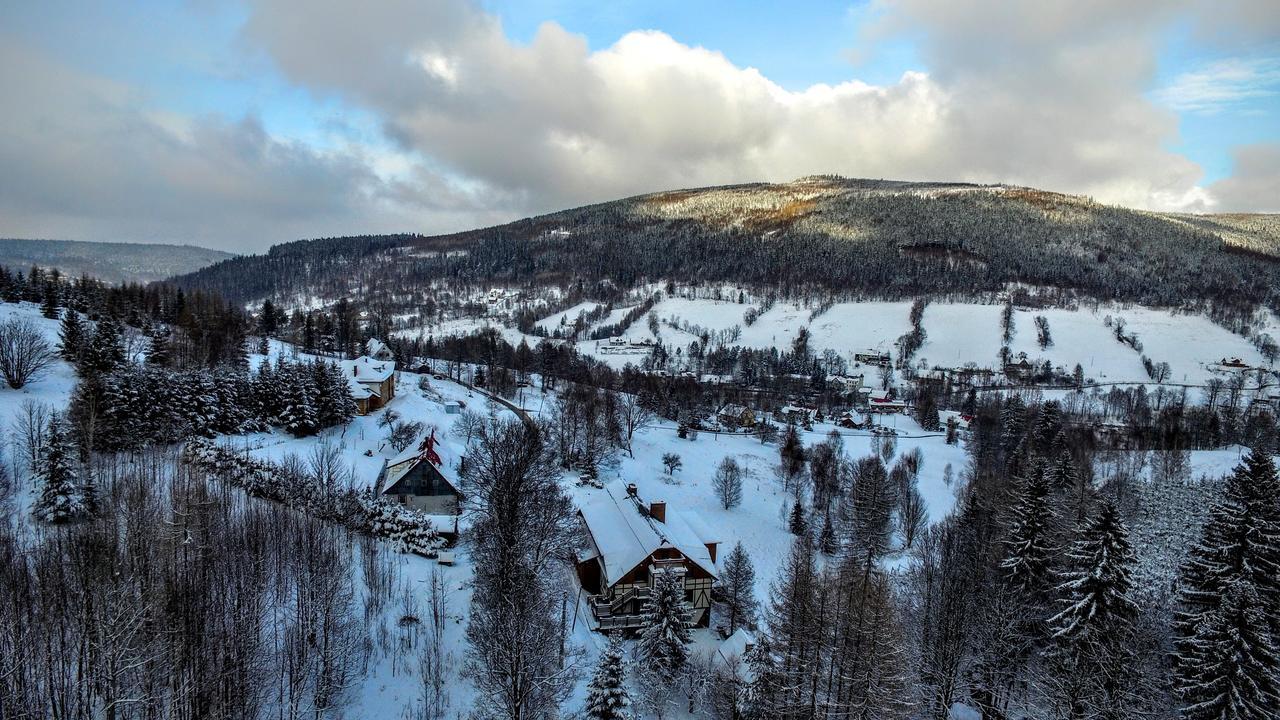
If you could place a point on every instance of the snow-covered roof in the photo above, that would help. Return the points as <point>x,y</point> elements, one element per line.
<point>375,348</point>
<point>358,391</point>
<point>409,458</point>
<point>624,538</point>
<point>735,647</point>
<point>368,370</point>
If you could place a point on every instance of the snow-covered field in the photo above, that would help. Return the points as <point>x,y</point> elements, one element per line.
<point>963,333</point>
<point>957,333</point>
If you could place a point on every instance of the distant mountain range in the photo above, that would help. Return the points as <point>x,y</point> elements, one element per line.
<point>112,262</point>
<point>817,235</point>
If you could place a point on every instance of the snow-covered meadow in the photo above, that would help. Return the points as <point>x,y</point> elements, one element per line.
<point>391,684</point>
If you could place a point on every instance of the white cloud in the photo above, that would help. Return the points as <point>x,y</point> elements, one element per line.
<point>472,128</point>
<point>1255,184</point>
<point>1222,84</point>
<point>1048,94</point>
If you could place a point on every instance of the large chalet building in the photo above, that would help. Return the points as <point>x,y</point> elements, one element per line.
<point>627,540</point>
<point>372,382</point>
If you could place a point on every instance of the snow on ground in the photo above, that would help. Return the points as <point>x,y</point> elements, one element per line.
<point>54,386</point>
<point>962,333</point>
<point>759,522</point>
<point>566,318</point>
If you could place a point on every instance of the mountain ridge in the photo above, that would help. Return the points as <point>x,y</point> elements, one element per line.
<point>821,233</point>
<point>108,261</point>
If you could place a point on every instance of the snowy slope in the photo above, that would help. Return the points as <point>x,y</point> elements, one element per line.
<point>566,317</point>
<point>961,333</point>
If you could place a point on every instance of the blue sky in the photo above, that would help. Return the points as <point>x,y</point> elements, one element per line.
<point>1146,106</point>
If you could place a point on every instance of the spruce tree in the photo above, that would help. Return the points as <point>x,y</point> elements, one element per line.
<point>1237,674</point>
<point>1092,635</point>
<point>105,350</point>
<point>71,336</point>
<point>50,303</point>
<point>1048,425</point>
<point>664,637</point>
<point>607,696</point>
<point>798,524</point>
<point>158,352</point>
<point>1240,540</point>
<point>1013,424</point>
<point>1095,588</point>
<point>1029,547</point>
<point>1226,630</point>
<point>59,500</point>
<point>737,586</point>
<point>299,413</point>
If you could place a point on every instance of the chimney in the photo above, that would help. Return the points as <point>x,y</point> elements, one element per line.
<point>355,370</point>
<point>658,510</point>
<point>632,491</point>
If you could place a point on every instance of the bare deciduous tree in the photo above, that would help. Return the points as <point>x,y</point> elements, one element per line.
<point>632,416</point>
<point>25,355</point>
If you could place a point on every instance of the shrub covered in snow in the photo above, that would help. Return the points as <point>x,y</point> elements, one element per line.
<point>409,530</point>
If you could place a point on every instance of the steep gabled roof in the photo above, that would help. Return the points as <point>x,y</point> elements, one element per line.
<point>367,370</point>
<point>411,457</point>
<point>624,538</point>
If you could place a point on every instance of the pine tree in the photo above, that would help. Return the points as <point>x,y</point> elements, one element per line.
<point>1092,636</point>
<point>59,500</point>
<point>607,696</point>
<point>664,637</point>
<point>158,352</point>
<point>737,585</point>
<point>1029,549</point>
<point>1229,587</point>
<point>105,350</point>
<point>71,335</point>
<point>50,303</point>
<point>798,524</point>
<point>1237,675</point>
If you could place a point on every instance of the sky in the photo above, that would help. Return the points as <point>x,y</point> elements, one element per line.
<point>241,124</point>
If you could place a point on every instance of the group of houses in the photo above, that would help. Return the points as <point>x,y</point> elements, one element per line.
<point>627,541</point>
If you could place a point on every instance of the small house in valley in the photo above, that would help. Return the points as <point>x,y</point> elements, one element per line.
<point>626,541</point>
<point>373,382</point>
<point>736,416</point>
<point>1020,370</point>
<point>378,350</point>
<point>881,403</point>
<point>419,478</point>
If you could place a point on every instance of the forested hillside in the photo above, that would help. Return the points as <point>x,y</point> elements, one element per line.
<point>110,262</point>
<point>819,235</point>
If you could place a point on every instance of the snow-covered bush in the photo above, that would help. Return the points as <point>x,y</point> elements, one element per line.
<point>409,530</point>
